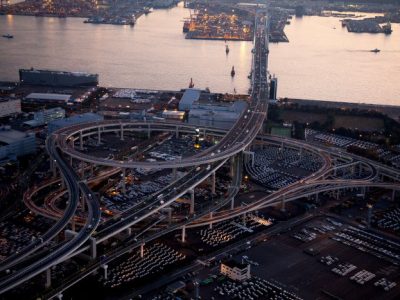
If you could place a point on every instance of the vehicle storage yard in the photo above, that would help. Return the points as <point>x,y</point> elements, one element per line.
<point>310,278</point>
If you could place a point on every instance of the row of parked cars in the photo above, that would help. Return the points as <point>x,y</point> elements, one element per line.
<point>274,166</point>
<point>254,288</point>
<point>371,243</point>
<point>224,232</point>
<point>390,220</point>
<point>15,234</point>
<point>155,259</point>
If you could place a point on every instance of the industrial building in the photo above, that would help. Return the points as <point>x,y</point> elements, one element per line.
<point>216,115</point>
<point>172,114</point>
<point>57,78</point>
<point>235,270</point>
<point>15,143</point>
<point>9,107</point>
<point>189,97</point>
<point>46,116</point>
<point>74,120</point>
<point>48,99</point>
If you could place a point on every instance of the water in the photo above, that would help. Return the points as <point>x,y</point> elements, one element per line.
<point>319,62</point>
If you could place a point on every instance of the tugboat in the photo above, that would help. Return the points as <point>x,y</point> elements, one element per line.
<point>8,36</point>
<point>387,29</point>
<point>226,49</point>
<point>376,50</point>
<point>191,84</point>
<point>233,71</point>
<point>132,21</point>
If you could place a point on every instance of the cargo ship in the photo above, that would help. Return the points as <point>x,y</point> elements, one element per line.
<point>57,78</point>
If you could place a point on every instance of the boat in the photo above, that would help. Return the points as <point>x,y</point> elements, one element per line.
<point>387,29</point>
<point>132,21</point>
<point>8,36</point>
<point>233,71</point>
<point>186,26</point>
<point>376,50</point>
<point>227,49</point>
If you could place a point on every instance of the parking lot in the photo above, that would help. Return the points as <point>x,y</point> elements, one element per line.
<point>276,168</point>
<point>296,263</point>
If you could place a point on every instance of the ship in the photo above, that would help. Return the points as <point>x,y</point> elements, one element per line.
<point>7,36</point>
<point>186,26</point>
<point>132,21</point>
<point>57,78</point>
<point>191,84</point>
<point>376,50</point>
<point>387,29</point>
<point>226,49</point>
<point>233,71</point>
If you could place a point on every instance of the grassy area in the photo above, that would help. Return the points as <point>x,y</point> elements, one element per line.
<point>359,123</point>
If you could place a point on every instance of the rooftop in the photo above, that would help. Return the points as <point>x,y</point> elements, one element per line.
<point>9,136</point>
<point>233,263</point>
<point>82,118</point>
<point>49,96</point>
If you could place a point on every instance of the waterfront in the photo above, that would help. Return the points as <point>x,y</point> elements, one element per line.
<point>318,63</point>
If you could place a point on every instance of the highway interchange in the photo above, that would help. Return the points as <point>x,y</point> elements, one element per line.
<point>233,147</point>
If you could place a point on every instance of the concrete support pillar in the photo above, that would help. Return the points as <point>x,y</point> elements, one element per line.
<point>364,192</point>
<point>73,225</point>
<point>83,203</point>
<point>93,248</point>
<point>98,136</point>
<point>129,231</point>
<point>213,182</point>
<point>244,219</point>
<point>53,167</point>
<point>142,250</point>
<point>48,278</point>
<point>62,183</point>
<point>122,132</point>
<point>204,133</point>
<point>174,174</point>
<point>232,203</point>
<point>283,203</point>
<point>393,195</point>
<point>82,169</point>
<point>211,216</point>
<point>337,194</point>
<point>105,267</point>
<point>177,132</point>
<point>196,290</point>
<point>359,169</point>
<point>369,216</point>
<point>123,181</point>
<point>317,197</point>
<point>80,140</point>
<point>183,234</point>
<point>191,211</point>
<point>232,166</point>
<point>148,131</point>
<point>169,215</point>
<point>91,170</point>
<point>71,161</point>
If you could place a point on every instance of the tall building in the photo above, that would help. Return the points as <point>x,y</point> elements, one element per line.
<point>273,90</point>
<point>9,107</point>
